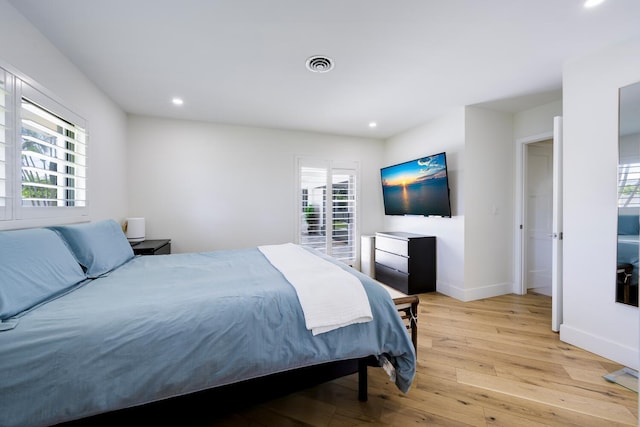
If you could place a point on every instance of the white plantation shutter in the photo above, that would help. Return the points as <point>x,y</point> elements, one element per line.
<point>53,159</point>
<point>6,101</point>
<point>313,185</point>
<point>43,157</point>
<point>344,215</point>
<point>328,207</point>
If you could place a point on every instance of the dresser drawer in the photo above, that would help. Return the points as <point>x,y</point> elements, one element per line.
<point>393,278</point>
<point>396,246</point>
<point>393,261</point>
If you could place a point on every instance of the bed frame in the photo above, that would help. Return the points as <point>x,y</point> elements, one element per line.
<point>249,392</point>
<point>208,404</point>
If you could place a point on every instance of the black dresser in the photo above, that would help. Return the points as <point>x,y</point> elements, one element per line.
<point>406,261</point>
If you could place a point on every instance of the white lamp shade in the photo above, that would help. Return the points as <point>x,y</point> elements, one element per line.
<point>135,229</point>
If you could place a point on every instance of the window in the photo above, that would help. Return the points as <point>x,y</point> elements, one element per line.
<point>327,208</point>
<point>43,158</point>
<point>53,159</point>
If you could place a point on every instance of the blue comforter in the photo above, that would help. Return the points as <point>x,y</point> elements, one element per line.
<point>163,326</point>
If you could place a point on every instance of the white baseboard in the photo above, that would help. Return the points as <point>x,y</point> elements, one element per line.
<point>473,294</point>
<point>601,346</point>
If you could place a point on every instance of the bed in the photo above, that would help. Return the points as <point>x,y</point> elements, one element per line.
<point>109,330</point>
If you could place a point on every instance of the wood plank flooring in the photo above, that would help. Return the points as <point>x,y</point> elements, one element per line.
<point>492,362</point>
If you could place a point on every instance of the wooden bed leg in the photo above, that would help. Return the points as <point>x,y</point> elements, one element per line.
<point>362,380</point>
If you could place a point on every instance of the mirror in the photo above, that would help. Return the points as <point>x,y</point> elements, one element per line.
<point>628,195</point>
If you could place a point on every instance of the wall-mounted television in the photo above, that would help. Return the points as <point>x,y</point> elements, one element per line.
<point>417,187</point>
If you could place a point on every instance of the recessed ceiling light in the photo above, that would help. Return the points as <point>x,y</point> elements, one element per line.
<point>177,101</point>
<point>373,124</point>
<point>319,64</point>
<point>592,3</point>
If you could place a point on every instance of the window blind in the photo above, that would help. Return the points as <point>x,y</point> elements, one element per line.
<point>343,190</point>
<point>53,153</point>
<point>328,206</point>
<point>313,185</point>
<point>43,155</point>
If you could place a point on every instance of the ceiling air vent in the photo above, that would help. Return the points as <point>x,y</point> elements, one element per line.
<point>319,64</point>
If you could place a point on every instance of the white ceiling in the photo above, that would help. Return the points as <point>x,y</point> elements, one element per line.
<point>397,62</point>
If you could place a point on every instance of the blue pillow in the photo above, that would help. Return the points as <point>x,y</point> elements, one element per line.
<point>98,246</point>
<point>35,265</point>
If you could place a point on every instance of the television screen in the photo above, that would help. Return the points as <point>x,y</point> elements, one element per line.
<point>418,187</point>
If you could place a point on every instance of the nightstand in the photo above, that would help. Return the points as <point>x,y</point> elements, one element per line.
<point>152,247</point>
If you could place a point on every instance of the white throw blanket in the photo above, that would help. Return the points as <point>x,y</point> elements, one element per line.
<point>330,297</point>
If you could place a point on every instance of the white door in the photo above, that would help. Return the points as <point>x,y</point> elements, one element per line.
<point>539,205</point>
<point>556,278</point>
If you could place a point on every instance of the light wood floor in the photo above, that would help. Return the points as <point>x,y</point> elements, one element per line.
<point>491,362</point>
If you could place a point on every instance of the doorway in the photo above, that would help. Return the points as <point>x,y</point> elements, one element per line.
<point>523,235</point>
<point>538,162</point>
<point>538,210</point>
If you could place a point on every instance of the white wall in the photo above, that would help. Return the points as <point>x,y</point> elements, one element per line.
<point>25,50</point>
<point>537,120</point>
<point>443,134</point>
<point>489,200</point>
<point>209,186</point>
<point>475,246</point>
<point>530,125</point>
<point>592,318</point>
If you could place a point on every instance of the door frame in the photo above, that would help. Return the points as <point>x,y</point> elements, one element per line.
<point>556,234</point>
<point>519,283</point>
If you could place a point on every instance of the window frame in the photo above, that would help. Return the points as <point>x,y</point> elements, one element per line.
<point>332,167</point>
<point>14,214</point>
<point>6,208</point>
